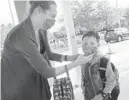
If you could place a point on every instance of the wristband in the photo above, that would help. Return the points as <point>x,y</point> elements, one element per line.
<point>104,95</point>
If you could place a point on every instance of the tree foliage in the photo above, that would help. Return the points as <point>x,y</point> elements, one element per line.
<point>127,16</point>
<point>93,15</point>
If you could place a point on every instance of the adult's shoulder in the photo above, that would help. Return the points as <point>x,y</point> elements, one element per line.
<point>11,35</point>
<point>13,30</point>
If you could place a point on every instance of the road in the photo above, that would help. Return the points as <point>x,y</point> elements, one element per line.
<point>120,57</point>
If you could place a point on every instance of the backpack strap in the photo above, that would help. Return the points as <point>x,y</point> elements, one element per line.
<point>103,66</point>
<point>102,69</point>
<point>67,72</point>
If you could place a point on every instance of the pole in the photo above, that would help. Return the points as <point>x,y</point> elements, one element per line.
<point>11,12</point>
<point>69,25</point>
<point>116,4</point>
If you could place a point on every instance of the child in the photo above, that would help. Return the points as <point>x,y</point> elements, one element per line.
<point>93,86</point>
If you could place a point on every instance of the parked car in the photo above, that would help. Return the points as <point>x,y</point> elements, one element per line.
<point>117,34</point>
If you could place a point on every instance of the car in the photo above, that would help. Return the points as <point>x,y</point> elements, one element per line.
<point>117,34</point>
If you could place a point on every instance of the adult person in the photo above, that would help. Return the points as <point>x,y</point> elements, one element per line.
<point>23,68</point>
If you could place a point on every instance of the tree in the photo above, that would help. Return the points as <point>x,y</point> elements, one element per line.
<point>81,13</point>
<point>4,31</point>
<point>61,33</point>
<point>93,15</point>
<point>106,14</point>
<point>127,16</point>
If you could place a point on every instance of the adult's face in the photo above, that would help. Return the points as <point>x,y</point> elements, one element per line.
<point>45,19</point>
<point>50,16</point>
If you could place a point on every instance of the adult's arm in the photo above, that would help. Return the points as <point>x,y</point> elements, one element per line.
<point>28,48</point>
<point>52,56</point>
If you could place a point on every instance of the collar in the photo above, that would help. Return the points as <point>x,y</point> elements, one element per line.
<point>27,25</point>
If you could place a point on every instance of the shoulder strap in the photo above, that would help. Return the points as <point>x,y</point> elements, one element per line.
<point>102,67</point>
<point>67,72</point>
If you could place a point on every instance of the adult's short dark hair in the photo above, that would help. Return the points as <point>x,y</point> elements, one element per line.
<point>45,5</point>
<point>91,34</point>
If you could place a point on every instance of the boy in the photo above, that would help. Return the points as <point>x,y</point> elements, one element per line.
<point>93,86</point>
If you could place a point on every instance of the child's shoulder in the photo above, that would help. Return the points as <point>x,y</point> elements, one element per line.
<point>100,57</point>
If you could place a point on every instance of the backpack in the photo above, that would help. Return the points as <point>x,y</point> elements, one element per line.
<point>102,70</point>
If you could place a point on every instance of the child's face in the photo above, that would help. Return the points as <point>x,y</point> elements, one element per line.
<point>89,45</point>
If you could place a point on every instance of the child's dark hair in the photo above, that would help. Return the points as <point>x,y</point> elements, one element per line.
<point>91,34</point>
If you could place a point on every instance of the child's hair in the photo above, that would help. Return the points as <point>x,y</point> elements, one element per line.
<point>91,34</point>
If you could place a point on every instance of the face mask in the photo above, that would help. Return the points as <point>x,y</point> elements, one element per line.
<point>49,23</point>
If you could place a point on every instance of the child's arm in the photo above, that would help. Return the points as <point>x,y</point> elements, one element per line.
<point>111,79</point>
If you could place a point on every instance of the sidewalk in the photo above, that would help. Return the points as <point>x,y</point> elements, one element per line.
<point>124,86</point>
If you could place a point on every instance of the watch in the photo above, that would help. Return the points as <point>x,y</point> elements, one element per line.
<point>104,95</point>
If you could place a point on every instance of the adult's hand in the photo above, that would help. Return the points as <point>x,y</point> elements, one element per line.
<point>82,59</point>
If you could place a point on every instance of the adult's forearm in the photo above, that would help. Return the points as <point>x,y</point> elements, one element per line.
<point>69,57</point>
<point>60,70</point>
<point>54,56</point>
